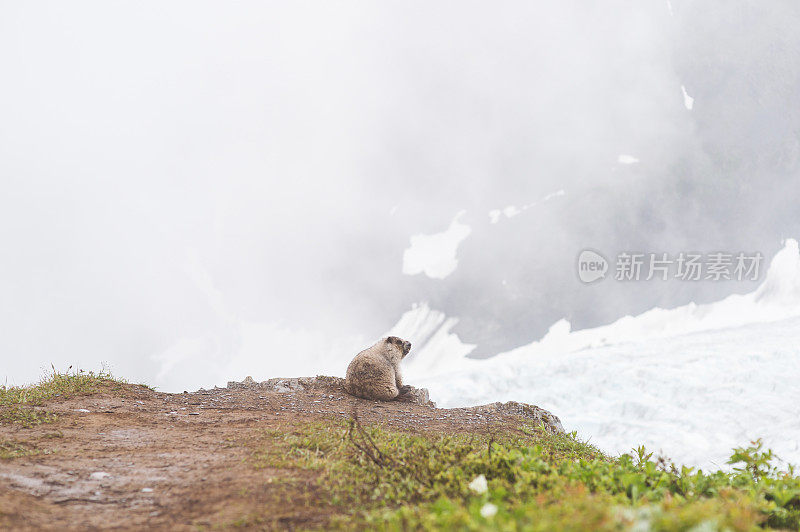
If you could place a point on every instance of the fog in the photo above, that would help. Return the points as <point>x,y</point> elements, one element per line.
<point>197,191</point>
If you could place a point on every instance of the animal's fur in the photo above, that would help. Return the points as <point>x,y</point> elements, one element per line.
<point>374,373</point>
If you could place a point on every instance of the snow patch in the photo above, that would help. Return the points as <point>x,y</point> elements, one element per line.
<point>688,101</point>
<point>435,255</point>
<point>693,381</point>
<point>556,194</point>
<point>627,159</point>
<point>512,210</point>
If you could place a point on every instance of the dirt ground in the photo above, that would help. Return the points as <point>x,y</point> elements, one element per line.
<point>137,459</point>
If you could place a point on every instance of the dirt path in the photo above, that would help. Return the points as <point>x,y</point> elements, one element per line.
<point>139,459</point>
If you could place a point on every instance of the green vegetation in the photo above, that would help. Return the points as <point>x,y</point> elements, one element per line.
<point>18,404</point>
<point>389,480</point>
<point>25,415</point>
<point>12,449</point>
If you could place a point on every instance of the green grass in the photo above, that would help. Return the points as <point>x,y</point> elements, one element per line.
<point>18,404</point>
<point>12,449</point>
<point>380,479</point>
<point>25,415</point>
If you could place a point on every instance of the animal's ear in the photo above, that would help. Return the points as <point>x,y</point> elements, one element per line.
<point>392,339</point>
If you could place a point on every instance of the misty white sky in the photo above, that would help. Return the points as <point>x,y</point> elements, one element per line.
<point>174,173</point>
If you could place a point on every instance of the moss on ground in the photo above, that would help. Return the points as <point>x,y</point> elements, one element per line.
<point>379,479</point>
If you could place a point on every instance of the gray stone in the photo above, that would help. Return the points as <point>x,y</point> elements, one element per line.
<point>281,385</point>
<point>296,384</point>
<point>419,396</point>
<point>537,416</point>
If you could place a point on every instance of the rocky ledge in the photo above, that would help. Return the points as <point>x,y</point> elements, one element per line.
<point>419,396</point>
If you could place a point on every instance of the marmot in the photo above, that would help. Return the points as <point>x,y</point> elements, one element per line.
<point>375,372</point>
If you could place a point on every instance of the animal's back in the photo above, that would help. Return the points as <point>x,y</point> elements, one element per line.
<point>371,376</point>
